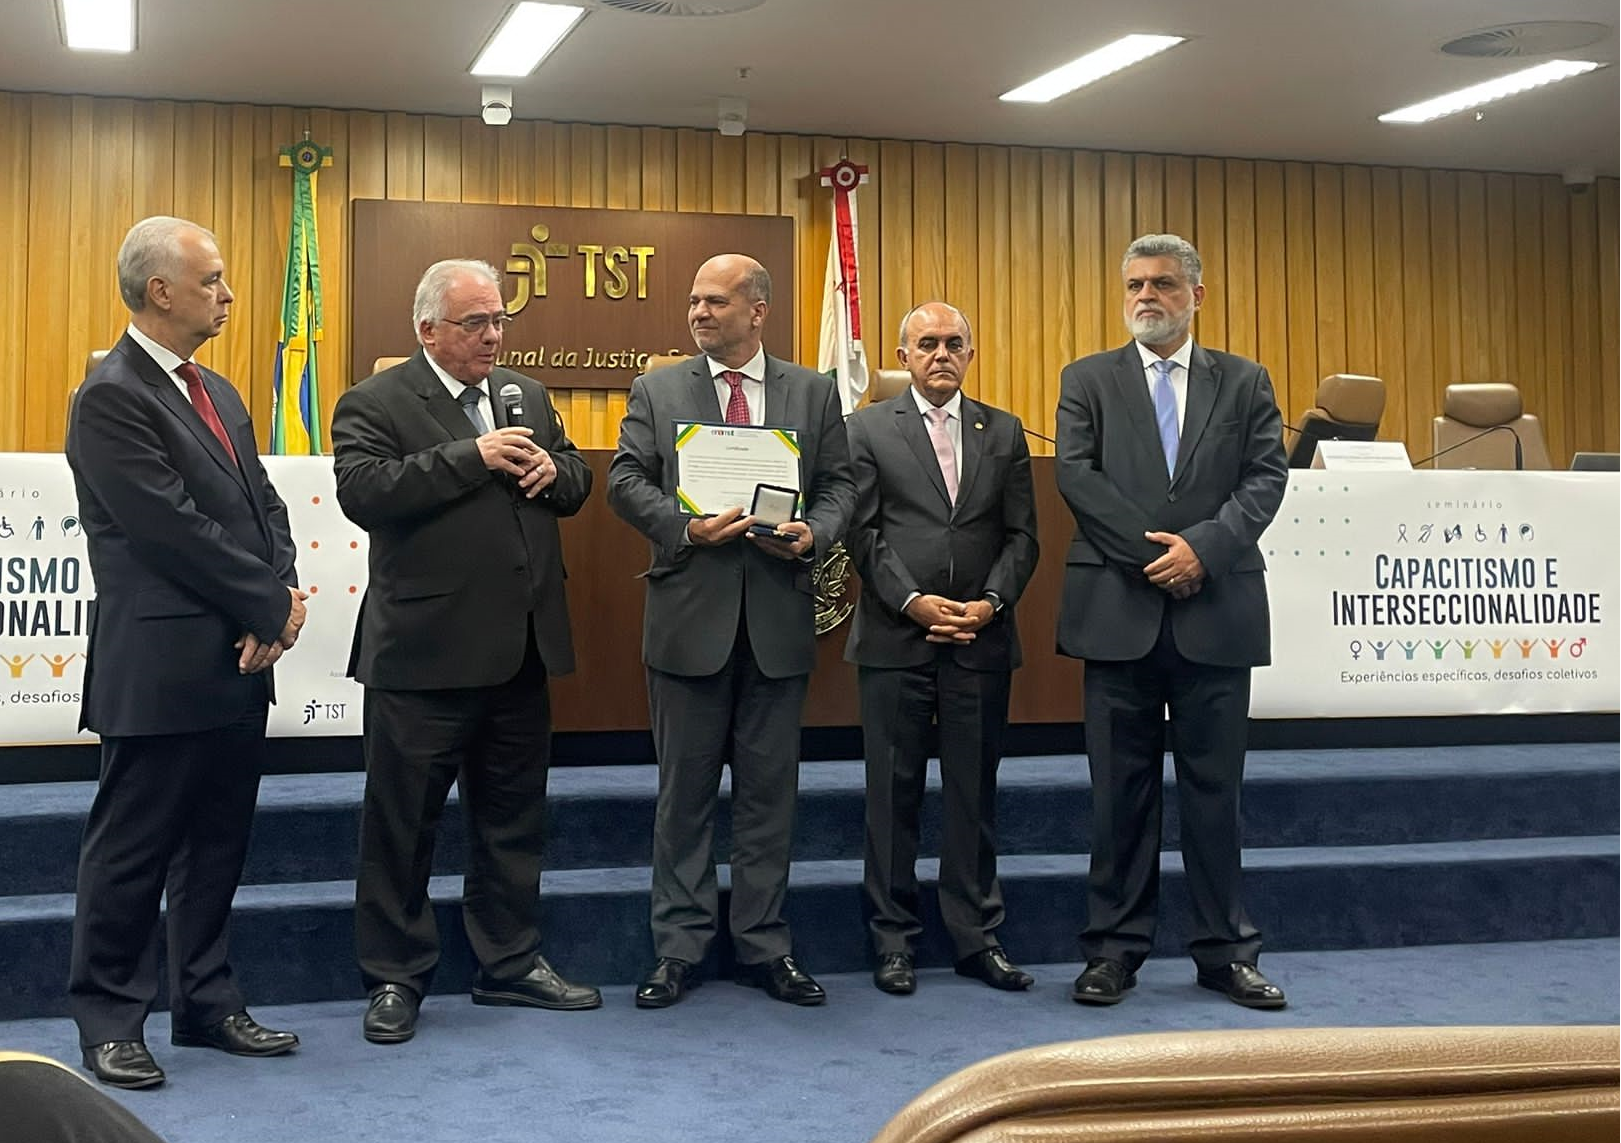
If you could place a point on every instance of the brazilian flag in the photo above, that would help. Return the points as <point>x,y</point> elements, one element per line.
<point>295,411</point>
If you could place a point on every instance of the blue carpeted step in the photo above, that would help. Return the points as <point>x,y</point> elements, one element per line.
<point>293,942</point>
<point>602,816</point>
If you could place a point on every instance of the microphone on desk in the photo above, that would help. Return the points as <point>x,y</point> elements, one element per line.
<point>512,402</point>
<point>1519,449</point>
<point>1042,437</point>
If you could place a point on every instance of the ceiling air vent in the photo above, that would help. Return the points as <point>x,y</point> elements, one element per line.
<point>679,7</point>
<point>1535,38</point>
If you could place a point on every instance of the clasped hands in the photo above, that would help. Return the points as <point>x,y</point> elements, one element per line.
<point>511,451</point>
<point>256,656</point>
<point>792,540</point>
<point>1178,572</point>
<point>949,620</point>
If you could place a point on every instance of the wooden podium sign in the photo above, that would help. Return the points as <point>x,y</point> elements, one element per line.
<point>592,293</point>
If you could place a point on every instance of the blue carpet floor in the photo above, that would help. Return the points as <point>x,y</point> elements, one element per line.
<point>730,1065</point>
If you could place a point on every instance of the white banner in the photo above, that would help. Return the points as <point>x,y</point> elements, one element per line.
<point>46,588</point>
<point>1406,593</point>
<point>1429,593</point>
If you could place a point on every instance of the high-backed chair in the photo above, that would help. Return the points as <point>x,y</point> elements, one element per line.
<point>383,363</point>
<point>660,360</point>
<point>1288,1085</point>
<point>90,363</point>
<point>885,383</point>
<point>1485,426</point>
<point>1348,408</point>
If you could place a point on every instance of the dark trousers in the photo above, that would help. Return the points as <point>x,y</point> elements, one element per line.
<point>740,716</point>
<point>899,709</point>
<point>171,818</point>
<point>1125,741</point>
<point>496,742</point>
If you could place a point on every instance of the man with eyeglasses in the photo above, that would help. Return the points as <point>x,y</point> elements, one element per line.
<point>463,621</point>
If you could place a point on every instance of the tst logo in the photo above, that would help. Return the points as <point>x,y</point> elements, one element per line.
<point>323,710</point>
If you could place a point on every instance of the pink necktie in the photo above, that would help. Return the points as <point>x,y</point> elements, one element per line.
<point>737,405</point>
<point>943,451</point>
<point>200,400</point>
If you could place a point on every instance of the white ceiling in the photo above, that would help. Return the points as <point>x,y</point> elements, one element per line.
<point>1298,79</point>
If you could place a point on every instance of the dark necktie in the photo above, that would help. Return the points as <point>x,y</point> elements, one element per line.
<point>737,405</point>
<point>204,404</point>
<point>469,399</point>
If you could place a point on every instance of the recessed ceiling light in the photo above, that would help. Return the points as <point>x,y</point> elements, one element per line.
<point>1091,67</point>
<point>527,36</point>
<point>99,25</point>
<point>1501,88</point>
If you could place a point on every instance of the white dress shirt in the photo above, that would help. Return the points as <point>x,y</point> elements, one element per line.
<point>753,372</point>
<point>1179,375</point>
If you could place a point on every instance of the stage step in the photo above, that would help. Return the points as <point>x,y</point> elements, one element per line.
<point>1348,849</point>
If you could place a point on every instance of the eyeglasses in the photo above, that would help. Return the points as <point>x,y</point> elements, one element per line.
<point>478,323</point>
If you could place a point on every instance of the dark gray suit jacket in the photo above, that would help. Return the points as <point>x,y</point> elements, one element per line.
<point>188,550</point>
<point>906,537</point>
<point>695,594</point>
<point>1229,480</point>
<point>458,556</point>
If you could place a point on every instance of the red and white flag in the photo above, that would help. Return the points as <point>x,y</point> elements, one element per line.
<point>840,353</point>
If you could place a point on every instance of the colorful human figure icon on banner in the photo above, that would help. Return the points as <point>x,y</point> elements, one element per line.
<point>15,663</point>
<point>59,664</point>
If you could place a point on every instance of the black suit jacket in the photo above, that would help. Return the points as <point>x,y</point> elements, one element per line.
<point>1229,480</point>
<point>458,556</point>
<point>188,550</point>
<point>906,536</point>
<point>695,594</point>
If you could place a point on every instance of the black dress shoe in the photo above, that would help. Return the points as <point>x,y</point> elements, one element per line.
<point>895,974</point>
<point>239,1034</point>
<point>391,1017</point>
<point>123,1063</point>
<point>540,987</point>
<point>1243,984</point>
<point>782,980</point>
<point>1104,981</point>
<point>995,969</point>
<point>668,981</point>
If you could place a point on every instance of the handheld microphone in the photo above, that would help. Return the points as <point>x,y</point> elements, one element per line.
<point>1519,450</point>
<point>512,402</point>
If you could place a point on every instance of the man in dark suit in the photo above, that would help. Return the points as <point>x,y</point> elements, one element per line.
<point>729,635</point>
<point>196,597</point>
<point>458,471</point>
<point>944,536</point>
<point>1171,458</point>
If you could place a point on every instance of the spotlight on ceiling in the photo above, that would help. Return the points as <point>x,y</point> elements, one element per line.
<point>733,115</point>
<point>496,105</point>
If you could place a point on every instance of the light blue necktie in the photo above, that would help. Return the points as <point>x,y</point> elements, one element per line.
<point>1170,437</point>
<point>470,395</point>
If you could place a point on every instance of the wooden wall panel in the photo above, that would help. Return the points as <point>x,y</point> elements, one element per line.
<point>1420,277</point>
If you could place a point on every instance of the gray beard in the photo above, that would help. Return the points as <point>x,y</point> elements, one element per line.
<point>1157,331</point>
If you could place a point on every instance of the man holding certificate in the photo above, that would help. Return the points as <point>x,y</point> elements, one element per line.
<point>729,630</point>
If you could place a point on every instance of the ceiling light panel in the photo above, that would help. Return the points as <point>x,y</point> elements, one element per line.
<point>1091,67</point>
<point>527,36</point>
<point>99,25</point>
<point>1501,88</point>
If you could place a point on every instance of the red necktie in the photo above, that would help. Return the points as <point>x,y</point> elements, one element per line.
<point>204,404</point>
<point>737,405</point>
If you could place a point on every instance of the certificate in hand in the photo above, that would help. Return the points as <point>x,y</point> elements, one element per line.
<point>719,466</point>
